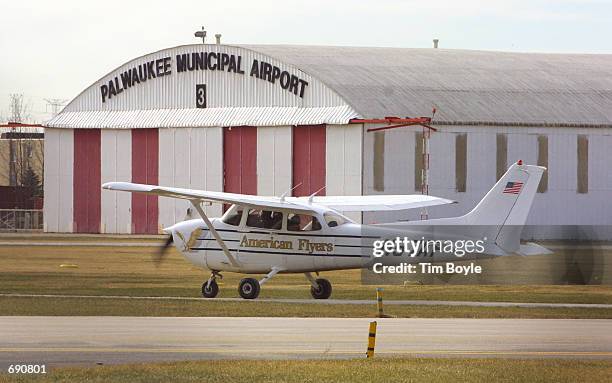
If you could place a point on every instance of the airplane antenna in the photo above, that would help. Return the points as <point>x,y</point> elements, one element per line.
<point>311,197</point>
<point>282,197</point>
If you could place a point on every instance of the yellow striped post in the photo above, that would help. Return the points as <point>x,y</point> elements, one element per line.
<point>371,340</point>
<point>379,301</point>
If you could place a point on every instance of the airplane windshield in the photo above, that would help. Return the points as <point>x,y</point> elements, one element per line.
<point>233,215</point>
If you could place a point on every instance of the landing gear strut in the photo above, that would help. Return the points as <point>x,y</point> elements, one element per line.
<point>320,288</point>
<point>210,288</point>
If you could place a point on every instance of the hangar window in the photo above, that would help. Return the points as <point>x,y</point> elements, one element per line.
<point>379,161</point>
<point>265,219</point>
<point>233,215</point>
<point>543,161</point>
<point>302,222</point>
<point>460,162</point>
<point>582,169</point>
<point>501,156</point>
<point>418,161</point>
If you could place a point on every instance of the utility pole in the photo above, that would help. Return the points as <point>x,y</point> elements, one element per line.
<point>426,134</point>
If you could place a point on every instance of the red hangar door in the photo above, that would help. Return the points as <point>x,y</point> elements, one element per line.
<point>240,159</point>
<point>308,159</point>
<point>86,181</point>
<point>145,165</point>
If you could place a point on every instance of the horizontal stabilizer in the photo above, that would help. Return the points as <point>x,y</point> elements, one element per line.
<point>531,248</point>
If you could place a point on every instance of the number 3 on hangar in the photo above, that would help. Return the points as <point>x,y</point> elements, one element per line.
<point>200,95</point>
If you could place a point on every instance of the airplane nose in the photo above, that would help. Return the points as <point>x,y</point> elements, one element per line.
<point>169,230</point>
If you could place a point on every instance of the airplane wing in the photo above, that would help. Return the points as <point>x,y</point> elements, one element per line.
<point>375,202</point>
<point>207,196</point>
<point>298,204</point>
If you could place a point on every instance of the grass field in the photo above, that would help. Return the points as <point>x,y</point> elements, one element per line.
<point>212,308</point>
<point>374,370</point>
<point>130,271</point>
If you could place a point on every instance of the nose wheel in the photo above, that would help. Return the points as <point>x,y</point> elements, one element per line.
<point>210,288</point>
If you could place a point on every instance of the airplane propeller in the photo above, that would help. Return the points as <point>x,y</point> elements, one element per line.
<point>163,251</point>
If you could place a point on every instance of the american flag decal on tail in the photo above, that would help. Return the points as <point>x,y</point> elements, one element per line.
<point>513,188</point>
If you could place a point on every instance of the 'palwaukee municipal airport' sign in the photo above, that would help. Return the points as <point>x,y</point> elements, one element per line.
<point>197,61</point>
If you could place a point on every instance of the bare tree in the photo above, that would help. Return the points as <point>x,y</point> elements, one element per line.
<point>22,151</point>
<point>18,109</point>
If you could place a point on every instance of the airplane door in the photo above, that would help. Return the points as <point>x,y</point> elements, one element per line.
<point>281,259</point>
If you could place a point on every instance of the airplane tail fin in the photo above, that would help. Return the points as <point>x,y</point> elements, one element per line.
<point>499,217</point>
<point>510,200</point>
<point>504,209</point>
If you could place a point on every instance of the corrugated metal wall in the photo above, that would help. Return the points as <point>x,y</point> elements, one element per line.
<point>116,166</point>
<point>225,89</point>
<point>560,204</point>
<point>59,176</point>
<point>253,160</point>
<point>343,156</point>
<point>274,145</point>
<point>189,158</point>
<point>193,158</point>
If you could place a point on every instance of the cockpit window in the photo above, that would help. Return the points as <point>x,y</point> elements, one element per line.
<point>265,219</point>
<point>334,220</point>
<point>302,222</point>
<point>233,215</point>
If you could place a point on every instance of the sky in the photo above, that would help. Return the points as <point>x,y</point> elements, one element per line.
<point>55,49</point>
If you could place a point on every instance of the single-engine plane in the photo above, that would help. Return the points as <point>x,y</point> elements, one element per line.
<point>271,235</point>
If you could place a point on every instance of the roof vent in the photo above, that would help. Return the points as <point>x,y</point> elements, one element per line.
<point>435,41</point>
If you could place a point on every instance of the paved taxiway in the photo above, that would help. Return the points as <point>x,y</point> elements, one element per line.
<point>91,340</point>
<point>333,301</point>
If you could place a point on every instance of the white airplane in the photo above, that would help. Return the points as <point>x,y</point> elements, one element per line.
<point>270,235</point>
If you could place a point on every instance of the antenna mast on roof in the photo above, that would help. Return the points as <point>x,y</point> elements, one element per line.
<point>56,104</point>
<point>201,34</point>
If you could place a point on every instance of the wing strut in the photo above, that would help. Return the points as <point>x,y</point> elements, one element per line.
<point>228,254</point>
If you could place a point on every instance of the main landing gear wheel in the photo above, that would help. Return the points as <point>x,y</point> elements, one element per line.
<point>249,288</point>
<point>210,290</point>
<point>324,291</point>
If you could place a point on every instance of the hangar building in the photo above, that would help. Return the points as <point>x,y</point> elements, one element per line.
<point>265,119</point>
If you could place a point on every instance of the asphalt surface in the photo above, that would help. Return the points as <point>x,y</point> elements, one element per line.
<point>332,301</point>
<point>58,341</point>
<point>82,243</point>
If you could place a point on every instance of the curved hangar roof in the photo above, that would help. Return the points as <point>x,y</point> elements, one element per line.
<point>221,85</point>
